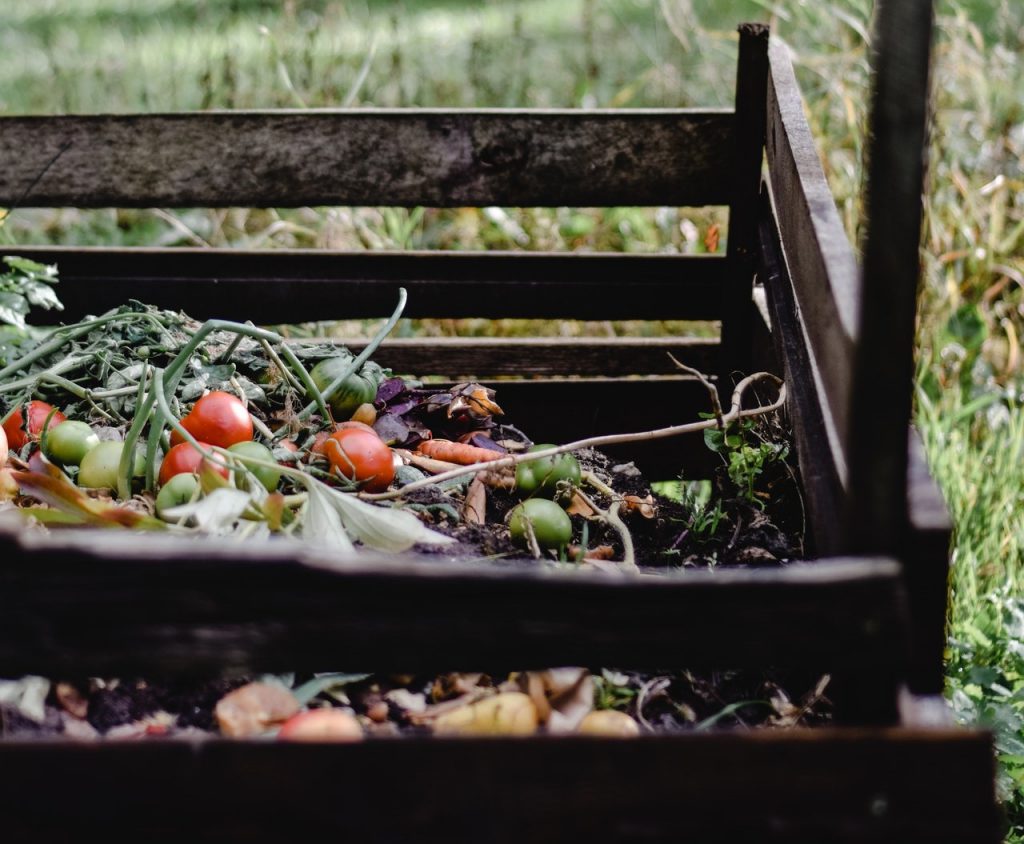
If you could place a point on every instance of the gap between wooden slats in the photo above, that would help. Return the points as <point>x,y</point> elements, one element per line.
<point>283,286</point>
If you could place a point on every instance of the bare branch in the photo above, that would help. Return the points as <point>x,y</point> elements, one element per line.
<point>736,411</point>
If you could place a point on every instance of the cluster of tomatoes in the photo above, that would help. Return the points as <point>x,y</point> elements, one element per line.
<point>220,419</point>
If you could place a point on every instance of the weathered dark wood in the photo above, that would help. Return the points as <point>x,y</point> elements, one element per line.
<point>924,550</point>
<point>461,357</point>
<point>441,158</point>
<point>751,88</point>
<point>818,456</point>
<point>561,410</point>
<point>172,607</point>
<point>305,285</point>
<point>765,356</point>
<point>800,786</point>
<point>884,364</point>
<point>817,252</point>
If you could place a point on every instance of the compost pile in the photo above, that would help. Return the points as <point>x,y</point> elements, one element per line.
<point>350,707</point>
<point>146,419</point>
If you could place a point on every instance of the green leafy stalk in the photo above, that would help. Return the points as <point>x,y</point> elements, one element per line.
<point>143,410</point>
<point>176,368</point>
<point>362,357</point>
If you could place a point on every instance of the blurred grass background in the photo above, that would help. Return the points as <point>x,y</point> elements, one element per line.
<point>168,55</point>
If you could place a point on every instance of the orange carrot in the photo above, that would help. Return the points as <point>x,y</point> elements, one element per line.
<point>460,453</point>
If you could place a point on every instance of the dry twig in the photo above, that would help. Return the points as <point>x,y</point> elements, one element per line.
<point>736,412</point>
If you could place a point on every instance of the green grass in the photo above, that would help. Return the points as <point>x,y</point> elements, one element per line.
<point>121,55</point>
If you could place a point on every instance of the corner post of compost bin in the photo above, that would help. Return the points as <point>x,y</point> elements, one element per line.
<point>878,518</point>
<point>748,154</point>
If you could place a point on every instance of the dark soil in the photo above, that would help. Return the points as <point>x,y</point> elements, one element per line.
<point>660,701</point>
<point>734,530</point>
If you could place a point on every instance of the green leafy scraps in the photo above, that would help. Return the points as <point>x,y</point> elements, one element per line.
<point>24,286</point>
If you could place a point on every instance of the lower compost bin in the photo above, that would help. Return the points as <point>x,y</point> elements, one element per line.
<point>864,613</point>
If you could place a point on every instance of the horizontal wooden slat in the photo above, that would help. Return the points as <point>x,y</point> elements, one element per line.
<point>459,357</point>
<point>821,262</point>
<point>441,158</point>
<point>117,603</point>
<point>306,285</point>
<point>561,410</point>
<point>827,786</point>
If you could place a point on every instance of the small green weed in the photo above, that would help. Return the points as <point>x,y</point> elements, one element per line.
<point>746,456</point>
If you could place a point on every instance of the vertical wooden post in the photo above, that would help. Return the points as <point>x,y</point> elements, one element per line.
<point>878,520</point>
<point>883,371</point>
<point>748,153</point>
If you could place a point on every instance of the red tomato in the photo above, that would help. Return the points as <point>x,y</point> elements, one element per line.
<point>183,458</point>
<point>360,456</point>
<point>218,418</point>
<point>320,439</point>
<point>15,428</point>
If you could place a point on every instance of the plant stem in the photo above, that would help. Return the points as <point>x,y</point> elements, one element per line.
<point>362,357</point>
<point>735,412</point>
<point>126,466</point>
<point>65,333</point>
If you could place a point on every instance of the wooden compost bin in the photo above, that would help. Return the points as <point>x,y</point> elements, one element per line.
<point>869,610</point>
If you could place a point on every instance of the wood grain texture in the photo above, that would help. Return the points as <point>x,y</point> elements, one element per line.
<point>560,410</point>
<point>818,254</point>
<point>404,157</point>
<point>825,786</point>
<point>925,548</point>
<point>751,89</point>
<point>462,357</point>
<point>818,457</point>
<point>77,603</point>
<point>307,285</point>
<point>884,365</point>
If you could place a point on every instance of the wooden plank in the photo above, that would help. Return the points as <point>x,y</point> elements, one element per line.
<point>405,157</point>
<point>884,363</point>
<point>561,410</point>
<point>827,786</point>
<point>751,90</point>
<point>924,550</point>
<point>477,357</point>
<point>818,455</point>
<point>306,285</point>
<point>81,604</point>
<point>818,255</point>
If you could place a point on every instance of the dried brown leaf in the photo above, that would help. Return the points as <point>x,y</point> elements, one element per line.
<point>644,506</point>
<point>580,507</point>
<point>474,509</point>
<point>475,400</point>
<point>71,700</point>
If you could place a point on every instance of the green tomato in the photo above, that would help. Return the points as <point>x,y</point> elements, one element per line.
<point>358,388</point>
<point>550,524</point>
<point>69,442</point>
<point>99,466</point>
<point>541,477</point>
<point>257,451</point>
<point>177,491</point>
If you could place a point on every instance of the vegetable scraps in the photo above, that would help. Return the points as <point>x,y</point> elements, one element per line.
<point>142,411</point>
